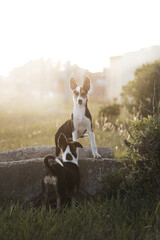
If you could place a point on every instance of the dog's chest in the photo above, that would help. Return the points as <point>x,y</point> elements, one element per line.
<point>80,121</point>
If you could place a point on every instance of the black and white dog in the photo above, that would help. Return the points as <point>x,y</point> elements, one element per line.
<point>81,119</point>
<point>62,177</point>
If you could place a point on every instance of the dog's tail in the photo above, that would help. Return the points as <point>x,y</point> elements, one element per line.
<point>46,163</point>
<point>47,166</point>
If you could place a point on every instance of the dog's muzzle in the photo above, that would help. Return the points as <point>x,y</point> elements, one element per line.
<point>80,101</point>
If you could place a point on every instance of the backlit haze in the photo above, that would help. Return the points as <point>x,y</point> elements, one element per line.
<point>84,32</point>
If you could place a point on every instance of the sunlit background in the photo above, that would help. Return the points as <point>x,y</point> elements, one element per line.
<point>44,42</point>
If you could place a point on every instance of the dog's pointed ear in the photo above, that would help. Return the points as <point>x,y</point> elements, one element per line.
<point>78,145</point>
<point>86,84</point>
<point>62,141</point>
<point>73,83</point>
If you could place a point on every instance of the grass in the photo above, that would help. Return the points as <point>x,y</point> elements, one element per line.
<point>32,124</point>
<point>26,123</point>
<point>111,220</point>
<point>35,123</point>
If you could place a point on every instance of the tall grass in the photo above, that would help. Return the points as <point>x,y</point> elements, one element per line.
<point>114,219</point>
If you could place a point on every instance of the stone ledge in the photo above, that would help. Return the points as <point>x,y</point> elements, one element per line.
<point>21,180</point>
<point>41,151</point>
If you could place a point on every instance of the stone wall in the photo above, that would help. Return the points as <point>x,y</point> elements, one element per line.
<point>22,170</point>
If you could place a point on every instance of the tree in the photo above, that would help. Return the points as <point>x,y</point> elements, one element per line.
<point>143,93</point>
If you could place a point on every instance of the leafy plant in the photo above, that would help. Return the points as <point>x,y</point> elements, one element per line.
<point>143,157</point>
<point>141,171</point>
<point>110,112</point>
<point>145,143</point>
<point>142,93</point>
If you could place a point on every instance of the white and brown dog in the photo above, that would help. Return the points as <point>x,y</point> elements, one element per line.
<point>62,177</point>
<point>81,119</point>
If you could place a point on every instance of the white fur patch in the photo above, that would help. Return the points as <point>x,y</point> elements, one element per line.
<point>50,180</point>
<point>67,150</point>
<point>78,89</point>
<point>59,162</point>
<point>81,122</point>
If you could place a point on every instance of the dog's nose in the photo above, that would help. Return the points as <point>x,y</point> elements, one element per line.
<point>80,101</point>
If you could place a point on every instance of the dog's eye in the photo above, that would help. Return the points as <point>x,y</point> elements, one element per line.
<point>76,93</point>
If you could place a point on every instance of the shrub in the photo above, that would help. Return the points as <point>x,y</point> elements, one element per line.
<point>143,157</point>
<point>145,143</point>
<point>141,175</point>
<point>110,112</point>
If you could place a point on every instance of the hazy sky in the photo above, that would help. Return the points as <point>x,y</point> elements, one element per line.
<point>86,32</point>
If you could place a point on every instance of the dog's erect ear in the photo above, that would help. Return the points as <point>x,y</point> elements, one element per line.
<point>62,141</point>
<point>86,84</point>
<point>73,84</point>
<point>78,145</point>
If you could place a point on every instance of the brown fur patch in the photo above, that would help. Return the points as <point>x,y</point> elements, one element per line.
<point>86,84</point>
<point>83,92</point>
<point>76,94</point>
<point>73,83</point>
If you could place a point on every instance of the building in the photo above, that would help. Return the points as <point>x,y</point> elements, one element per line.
<point>43,78</point>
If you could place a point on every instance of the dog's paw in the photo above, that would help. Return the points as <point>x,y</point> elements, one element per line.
<point>97,155</point>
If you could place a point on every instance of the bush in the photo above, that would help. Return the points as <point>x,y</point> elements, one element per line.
<point>141,173</point>
<point>143,157</point>
<point>110,112</point>
<point>145,143</point>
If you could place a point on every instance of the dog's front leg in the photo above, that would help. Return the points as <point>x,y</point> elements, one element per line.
<point>75,135</point>
<point>93,144</point>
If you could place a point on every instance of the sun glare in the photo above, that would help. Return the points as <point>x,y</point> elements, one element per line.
<point>85,32</point>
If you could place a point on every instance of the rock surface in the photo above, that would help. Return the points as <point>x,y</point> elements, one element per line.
<point>20,180</point>
<point>41,151</point>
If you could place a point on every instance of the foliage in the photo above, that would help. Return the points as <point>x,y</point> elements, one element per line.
<point>143,157</point>
<point>110,112</point>
<point>112,182</point>
<point>142,94</point>
<point>141,171</point>
<point>145,143</point>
